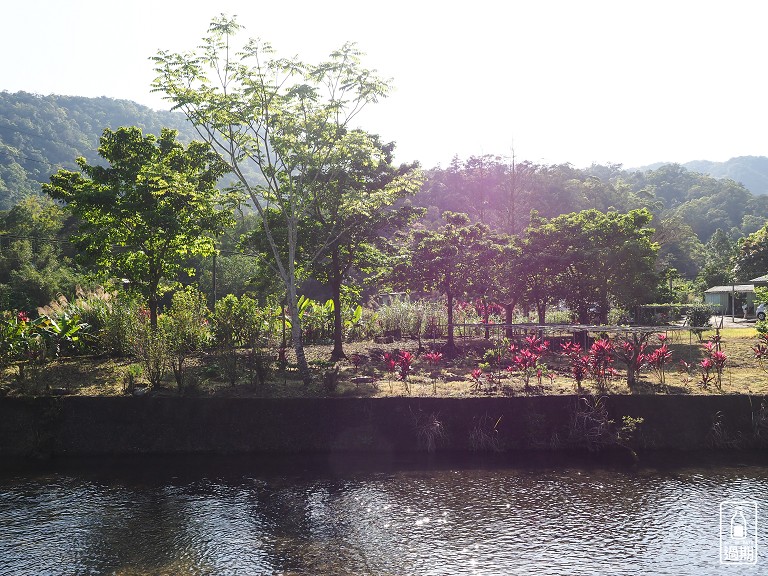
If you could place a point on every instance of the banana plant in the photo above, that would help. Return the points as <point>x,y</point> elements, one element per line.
<point>62,332</point>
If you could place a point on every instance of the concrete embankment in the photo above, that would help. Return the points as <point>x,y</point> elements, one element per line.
<point>51,426</point>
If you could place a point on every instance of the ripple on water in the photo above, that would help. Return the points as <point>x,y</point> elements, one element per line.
<point>514,521</point>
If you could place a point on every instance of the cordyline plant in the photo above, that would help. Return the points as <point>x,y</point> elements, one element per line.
<point>601,357</point>
<point>761,350</point>
<point>657,360</point>
<point>578,362</point>
<point>404,361</point>
<point>713,364</point>
<point>433,359</point>
<point>631,351</point>
<point>528,361</point>
<point>477,378</point>
<point>390,365</point>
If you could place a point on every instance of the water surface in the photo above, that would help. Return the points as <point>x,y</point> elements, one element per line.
<point>352,516</point>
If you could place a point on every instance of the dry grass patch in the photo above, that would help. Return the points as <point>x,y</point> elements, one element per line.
<point>363,374</point>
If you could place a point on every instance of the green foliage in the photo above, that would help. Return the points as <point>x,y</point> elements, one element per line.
<point>287,120</point>
<point>120,324</point>
<point>149,345</point>
<point>449,260</point>
<point>591,260</point>
<point>752,258</point>
<point>39,134</point>
<point>699,316</point>
<point>63,333</point>
<point>33,266</point>
<point>132,374</point>
<point>154,206</point>
<point>241,322</point>
<point>15,330</point>
<point>227,334</point>
<point>185,328</point>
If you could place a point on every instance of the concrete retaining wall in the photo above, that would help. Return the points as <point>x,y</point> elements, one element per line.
<point>167,425</point>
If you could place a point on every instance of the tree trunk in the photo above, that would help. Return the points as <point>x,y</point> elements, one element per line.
<point>509,311</point>
<point>153,302</point>
<point>450,345</point>
<point>338,328</point>
<point>298,345</point>
<point>541,309</point>
<point>153,312</point>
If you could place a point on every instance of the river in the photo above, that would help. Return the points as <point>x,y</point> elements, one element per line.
<point>378,516</point>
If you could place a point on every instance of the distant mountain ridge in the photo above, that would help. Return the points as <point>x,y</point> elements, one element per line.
<point>40,134</point>
<point>751,171</point>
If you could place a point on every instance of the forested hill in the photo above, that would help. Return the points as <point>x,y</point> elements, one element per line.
<point>751,171</point>
<point>40,134</point>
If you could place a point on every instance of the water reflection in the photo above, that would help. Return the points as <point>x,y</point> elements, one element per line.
<point>299,517</point>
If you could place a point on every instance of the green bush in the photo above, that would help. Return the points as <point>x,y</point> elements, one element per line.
<point>150,346</point>
<point>185,328</point>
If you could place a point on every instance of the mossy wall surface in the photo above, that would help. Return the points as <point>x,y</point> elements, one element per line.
<point>166,425</point>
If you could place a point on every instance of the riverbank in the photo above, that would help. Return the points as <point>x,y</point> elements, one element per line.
<point>78,426</point>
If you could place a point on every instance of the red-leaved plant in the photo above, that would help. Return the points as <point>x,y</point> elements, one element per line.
<point>578,362</point>
<point>601,357</point>
<point>528,361</point>
<point>433,359</point>
<point>390,365</point>
<point>632,354</point>
<point>477,378</point>
<point>657,360</point>
<point>713,364</point>
<point>404,362</point>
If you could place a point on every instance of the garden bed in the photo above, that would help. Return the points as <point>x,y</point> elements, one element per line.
<point>364,374</point>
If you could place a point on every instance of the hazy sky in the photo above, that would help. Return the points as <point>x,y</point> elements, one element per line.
<point>577,81</point>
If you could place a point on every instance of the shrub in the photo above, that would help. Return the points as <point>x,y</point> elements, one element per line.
<point>186,329</point>
<point>241,322</point>
<point>14,331</point>
<point>150,347</point>
<point>699,316</point>
<point>227,334</point>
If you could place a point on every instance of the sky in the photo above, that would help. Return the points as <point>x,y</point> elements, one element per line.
<point>577,81</point>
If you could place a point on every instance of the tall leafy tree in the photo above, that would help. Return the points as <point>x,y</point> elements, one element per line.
<point>352,210</point>
<point>596,259</point>
<point>719,256</point>
<point>752,256</point>
<point>448,260</point>
<point>34,267</point>
<point>280,124</point>
<point>155,205</point>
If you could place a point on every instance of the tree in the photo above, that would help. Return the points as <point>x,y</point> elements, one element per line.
<point>719,259</point>
<point>594,259</point>
<point>351,211</point>
<point>153,207</point>
<point>34,268</point>
<point>447,259</point>
<point>282,119</point>
<point>510,281</point>
<point>752,256</point>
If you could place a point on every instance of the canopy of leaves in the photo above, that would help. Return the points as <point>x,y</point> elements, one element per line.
<point>752,257</point>
<point>152,208</point>
<point>595,259</point>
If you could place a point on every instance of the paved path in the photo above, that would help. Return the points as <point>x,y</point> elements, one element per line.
<point>737,322</point>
